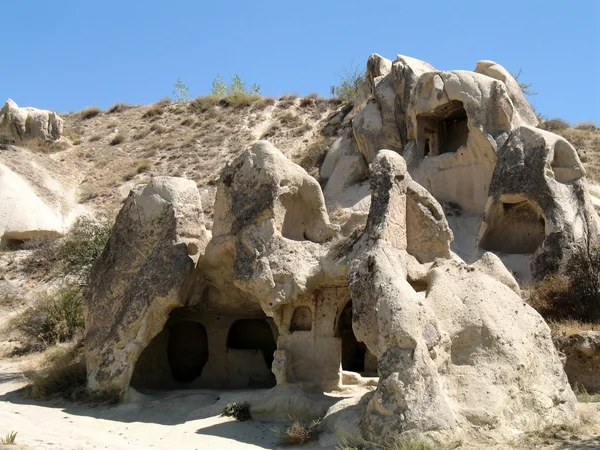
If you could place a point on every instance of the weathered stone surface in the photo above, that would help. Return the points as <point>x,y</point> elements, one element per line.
<point>582,359</point>
<point>539,202</point>
<point>270,221</point>
<point>495,70</point>
<point>29,123</point>
<point>23,214</point>
<point>462,354</point>
<point>142,274</point>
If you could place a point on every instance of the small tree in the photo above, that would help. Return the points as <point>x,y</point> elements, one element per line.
<point>181,92</point>
<point>219,88</point>
<point>525,87</point>
<point>237,86</point>
<point>352,79</point>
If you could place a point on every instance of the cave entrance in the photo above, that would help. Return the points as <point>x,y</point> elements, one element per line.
<point>444,130</point>
<point>513,227</point>
<point>187,350</point>
<point>174,359</point>
<point>353,352</point>
<point>248,338</point>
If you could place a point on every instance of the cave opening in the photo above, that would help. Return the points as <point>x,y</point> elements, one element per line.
<point>444,130</point>
<point>353,351</point>
<point>516,227</point>
<point>253,335</point>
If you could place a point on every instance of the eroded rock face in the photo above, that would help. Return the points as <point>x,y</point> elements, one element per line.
<point>270,221</point>
<point>143,273</point>
<point>582,359</point>
<point>29,123</point>
<point>462,351</point>
<point>468,138</point>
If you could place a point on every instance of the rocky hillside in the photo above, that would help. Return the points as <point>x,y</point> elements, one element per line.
<point>103,155</point>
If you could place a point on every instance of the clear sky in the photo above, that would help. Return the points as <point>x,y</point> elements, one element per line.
<point>68,54</point>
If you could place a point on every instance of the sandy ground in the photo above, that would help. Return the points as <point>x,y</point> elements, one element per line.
<point>167,420</point>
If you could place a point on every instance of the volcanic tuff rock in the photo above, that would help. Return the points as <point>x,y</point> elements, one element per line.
<point>140,277</point>
<point>29,123</point>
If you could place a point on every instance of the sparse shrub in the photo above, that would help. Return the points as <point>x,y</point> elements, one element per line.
<point>587,126</point>
<point>165,101</point>
<point>239,99</point>
<point>264,102</point>
<point>94,138</point>
<point>412,444</point>
<point>299,432</point>
<point>525,87</point>
<point>352,79</point>
<point>77,142</point>
<point>153,111</point>
<point>51,319</point>
<point>78,250</point>
<point>239,411</point>
<point>574,294</point>
<point>61,374</point>
<point>10,438</point>
<point>118,138</point>
<point>204,103</point>
<point>554,125</point>
<point>288,97</point>
<point>140,134</point>
<point>187,122</point>
<point>118,107</point>
<point>181,92</point>
<point>158,128</point>
<point>142,165</point>
<point>45,146</point>
<point>289,119</point>
<point>307,102</point>
<point>5,141</point>
<point>313,157</point>
<point>237,86</point>
<point>89,112</point>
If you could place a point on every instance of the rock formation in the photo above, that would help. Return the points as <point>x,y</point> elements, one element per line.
<point>470,139</point>
<point>459,350</point>
<point>412,292</point>
<point>29,123</point>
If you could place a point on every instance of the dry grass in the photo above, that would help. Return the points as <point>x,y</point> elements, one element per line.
<point>153,111</point>
<point>299,432</point>
<point>52,318</point>
<point>118,138</point>
<point>47,147</point>
<point>89,112</point>
<point>573,294</point>
<point>118,108</point>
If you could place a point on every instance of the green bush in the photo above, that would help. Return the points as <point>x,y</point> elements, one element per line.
<point>237,86</point>
<point>181,92</point>
<point>349,88</point>
<point>52,318</point>
<point>78,250</point>
<point>240,411</point>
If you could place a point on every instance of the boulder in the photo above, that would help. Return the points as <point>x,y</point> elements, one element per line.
<point>144,272</point>
<point>23,214</point>
<point>29,123</point>
<point>462,353</point>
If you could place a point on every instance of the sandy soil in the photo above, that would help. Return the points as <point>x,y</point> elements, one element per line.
<point>174,419</point>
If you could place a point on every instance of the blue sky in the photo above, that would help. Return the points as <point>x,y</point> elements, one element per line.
<point>68,54</point>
